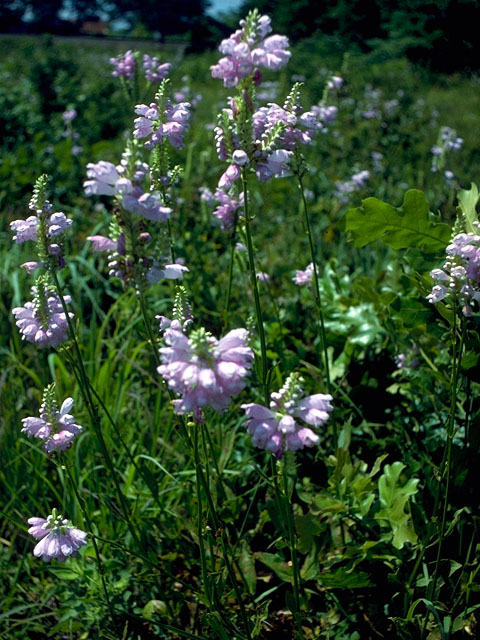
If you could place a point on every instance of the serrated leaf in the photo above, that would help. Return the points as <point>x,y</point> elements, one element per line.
<point>398,227</point>
<point>467,201</point>
<point>394,499</point>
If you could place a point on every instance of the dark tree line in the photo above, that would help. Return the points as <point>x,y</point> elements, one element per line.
<point>442,34</point>
<point>163,16</point>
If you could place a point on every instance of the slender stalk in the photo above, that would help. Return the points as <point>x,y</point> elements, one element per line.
<point>446,463</point>
<point>202,482</point>
<point>321,321</point>
<point>230,267</point>
<point>254,285</point>
<point>101,570</point>
<point>293,551</point>
<point>148,327</point>
<point>85,386</point>
<point>201,545</point>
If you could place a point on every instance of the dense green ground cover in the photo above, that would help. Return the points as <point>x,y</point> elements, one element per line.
<point>367,513</point>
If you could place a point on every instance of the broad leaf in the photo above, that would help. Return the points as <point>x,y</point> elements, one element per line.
<point>400,228</point>
<point>467,201</point>
<point>277,564</point>
<point>394,499</point>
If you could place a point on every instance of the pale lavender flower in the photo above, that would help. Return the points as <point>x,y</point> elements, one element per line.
<point>229,176</point>
<point>25,229</point>
<point>43,320</point>
<point>460,276</point>
<point>247,49</point>
<point>227,208</point>
<point>206,195</point>
<point>203,370</point>
<point>401,361</point>
<point>277,429</point>
<point>359,179</point>
<point>124,65</point>
<point>263,277</point>
<point>69,115</point>
<point>155,71</point>
<point>167,272</point>
<point>327,114</point>
<point>148,205</point>
<point>303,277</point>
<point>371,114</point>
<point>335,82</point>
<point>171,124</point>
<point>59,540</point>
<point>32,266</point>
<point>356,182</point>
<point>276,165</point>
<point>106,180</point>
<point>240,158</point>
<point>102,243</point>
<point>57,428</point>
<point>272,53</point>
<point>76,150</point>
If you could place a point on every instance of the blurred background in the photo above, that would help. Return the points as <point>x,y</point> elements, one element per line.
<point>441,34</point>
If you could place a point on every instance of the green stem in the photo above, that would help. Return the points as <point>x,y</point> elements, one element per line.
<point>254,285</point>
<point>203,558</point>
<point>446,465</point>
<point>202,481</point>
<point>101,570</point>
<point>148,328</point>
<point>293,551</point>
<point>85,386</point>
<point>318,300</point>
<point>230,267</point>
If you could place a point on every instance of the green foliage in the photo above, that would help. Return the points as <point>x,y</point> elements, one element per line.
<point>467,201</point>
<point>366,528</point>
<point>401,228</point>
<point>394,499</point>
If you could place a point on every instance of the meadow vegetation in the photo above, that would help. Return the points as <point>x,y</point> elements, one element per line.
<point>198,525</point>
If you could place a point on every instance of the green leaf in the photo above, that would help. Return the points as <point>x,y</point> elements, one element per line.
<point>306,527</point>
<point>398,227</point>
<point>277,564</point>
<point>340,579</point>
<point>467,201</point>
<point>153,608</point>
<point>247,567</point>
<point>310,569</point>
<point>394,499</point>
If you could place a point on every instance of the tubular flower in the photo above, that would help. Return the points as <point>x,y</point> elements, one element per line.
<point>56,427</point>
<point>124,65</point>
<point>460,275</point>
<point>106,180</point>
<point>154,70</point>
<point>155,125</point>
<point>277,429</point>
<point>249,48</point>
<point>227,208</point>
<point>59,540</point>
<point>43,320</point>
<point>204,370</point>
<point>303,277</point>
